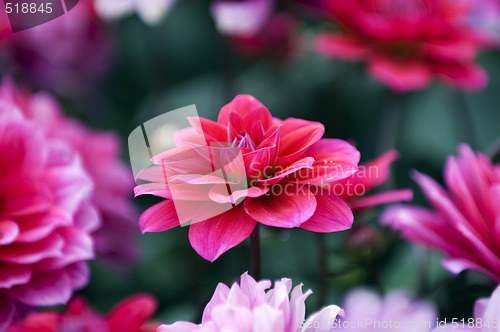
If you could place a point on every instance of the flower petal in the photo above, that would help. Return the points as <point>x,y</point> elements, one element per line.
<point>331,215</point>
<point>131,314</point>
<point>288,210</point>
<point>340,46</point>
<point>400,76</point>
<point>212,237</point>
<point>159,218</point>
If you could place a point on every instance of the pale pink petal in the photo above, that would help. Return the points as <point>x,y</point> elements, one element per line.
<point>331,215</point>
<point>221,195</point>
<point>179,327</point>
<point>160,217</point>
<point>323,319</point>
<point>212,237</point>
<point>288,210</point>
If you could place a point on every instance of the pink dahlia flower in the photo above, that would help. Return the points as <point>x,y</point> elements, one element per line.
<point>45,218</point>
<point>279,178</point>
<point>248,307</point>
<point>396,311</point>
<point>131,315</point>
<point>407,42</point>
<point>485,316</point>
<point>464,220</point>
<point>99,153</point>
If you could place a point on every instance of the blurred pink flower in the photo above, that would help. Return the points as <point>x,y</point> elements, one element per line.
<point>276,37</point>
<point>286,166</point>
<point>407,42</point>
<point>130,315</point>
<point>150,11</point>
<point>67,55</point>
<point>486,15</point>
<point>485,316</point>
<point>397,308</point>
<point>241,18</point>
<point>99,153</point>
<point>247,307</point>
<point>45,218</point>
<point>464,221</point>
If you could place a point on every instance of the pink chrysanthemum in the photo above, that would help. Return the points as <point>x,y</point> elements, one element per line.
<point>464,221</point>
<point>130,315</point>
<point>45,220</point>
<point>407,42</point>
<point>248,307</point>
<point>99,153</point>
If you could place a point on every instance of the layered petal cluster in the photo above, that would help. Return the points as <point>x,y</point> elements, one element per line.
<point>45,218</point>
<point>248,307</point>
<point>131,315</point>
<point>485,316</point>
<point>99,153</point>
<point>150,11</point>
<point>406,43</point>
<point>464,222</point>
<point>279,178</point>
<point>396,311</point>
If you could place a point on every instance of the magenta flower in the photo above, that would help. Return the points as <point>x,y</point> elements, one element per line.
<point>130,315</point>
<point>247,307</point>
<point>463,221</point>
<point>396,311</point>
<point>99,153</point>
<point>485,316</point>
<point>407,43</point>
<point>281,181</point>
<point>45,218</point>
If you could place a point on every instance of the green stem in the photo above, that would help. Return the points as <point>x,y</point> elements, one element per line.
<point>255,253</point>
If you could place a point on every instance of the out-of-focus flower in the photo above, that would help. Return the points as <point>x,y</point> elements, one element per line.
<point>99,153</point>
<point>281,181</point>
<point>370,175</point>
<point>247,307</point>
<point>45,218</point>
<point>66,55</point>
<point>150,11</point>
<point>396,311</point>
<point>131,315</point>
<point>276,37</point>
<point>245,18</point>
<point>407,42</point>
<point>486,15</point>
<point>464,221</point>
<point>485,316</point>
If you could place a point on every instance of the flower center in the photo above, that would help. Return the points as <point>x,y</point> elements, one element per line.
<point>244,141</point>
